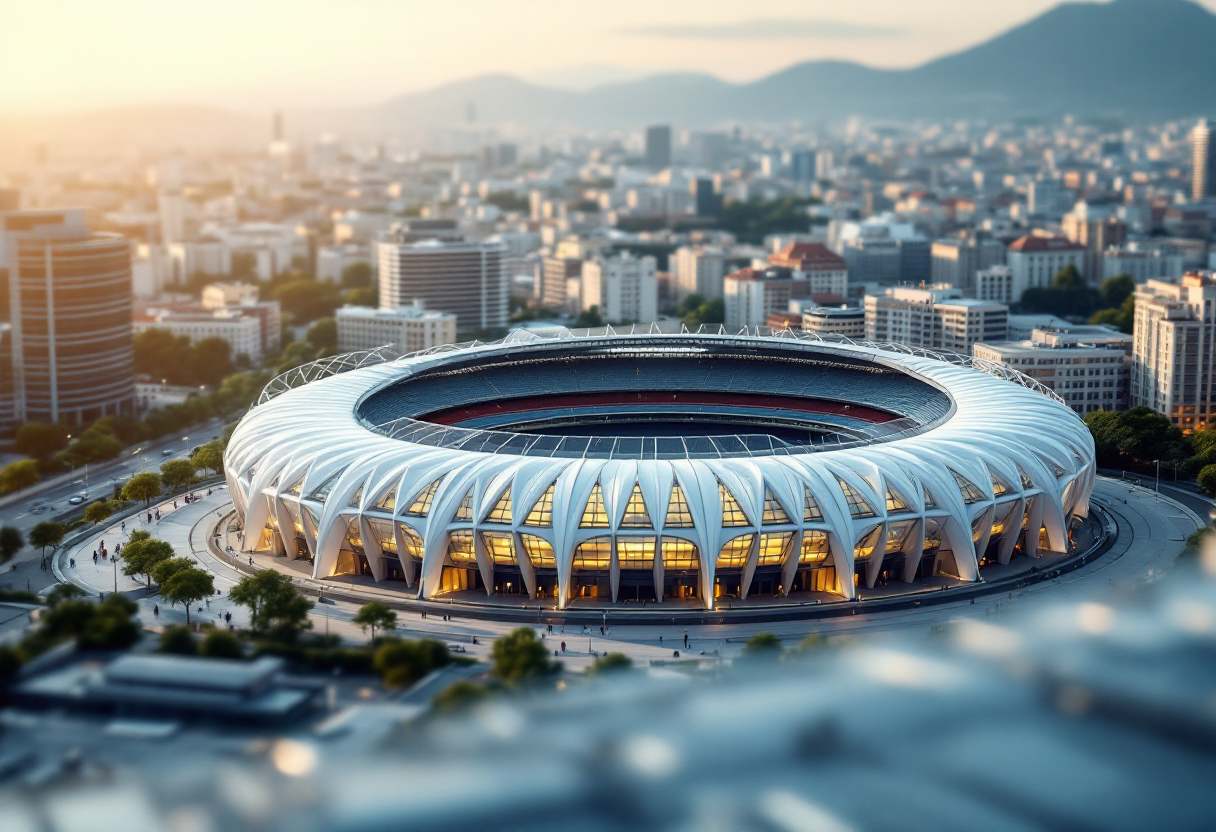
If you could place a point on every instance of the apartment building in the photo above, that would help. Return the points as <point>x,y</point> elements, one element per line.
<point>1175,338</point>
<point>935,317</point>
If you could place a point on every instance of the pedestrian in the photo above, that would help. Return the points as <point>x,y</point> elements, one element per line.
<point>101,596</point>
<point>94,558</point>
<point>660,640</point>
<point>72,561</point>
<point>101,543</point>
<point>563,647</point>
<point>228,616</point>
<point>208,603</point>
<point>124,525</point>
<point>149,517</point>
<point>685,641</point>
<point>156,610</point>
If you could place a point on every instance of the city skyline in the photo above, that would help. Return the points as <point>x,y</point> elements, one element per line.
<point>268,54</point>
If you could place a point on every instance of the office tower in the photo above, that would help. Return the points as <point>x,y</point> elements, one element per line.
<point>624,288</point>
<point>469,279</point>
<point>698,270</point>
<point>706,200</point>
<point>8,389</point>
<point>935,318</point>
<point>70,294</point>
<point>407,328</point>
<point>955,262</point>
<point>555,273</point>
<point>1203,162</point>
<point>1175,339</point>
<point>658,147</point>
<point>802,166</point>
<point>708,149</point>
<point>1094,225</point>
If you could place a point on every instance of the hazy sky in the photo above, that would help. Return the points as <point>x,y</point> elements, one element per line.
<point>260,54</point>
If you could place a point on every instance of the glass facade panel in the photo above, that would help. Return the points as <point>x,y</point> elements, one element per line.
<point>858,507</point>
<point>680,555</point>
<point>383,531</point>
<point>635,552</point>
<point>541,514</point>
<point>1027,482</point>
<point>774,514</point>
<point>500,546</point>
<point>323,490</point>
<point>595,516</point>
<point>971,493</point>
<point>389,501</point>
<point>810,511</point>
<point>933,533</point>
<point>1001,518</point>
<point>461,549</point>
<point>636,516</point>
<point>272,517</point>
<point>312,517</point>
<point>894,504</point>
<point>774,547</point>
<point>413,542</point>
<point>501,513</point>
<point>814,547</point>
<point>678,515</point>
<point>998,487</point>
<point>421,506</point>
<point>294,511</point>
<point>929,501</point>
<point>297,486</point>
<point>539,551</point>
<point>593,555</point>
<point>465,511</point>
<point>897,535</point>
<point>732,512</point>
<point>734,554</point>
<point>866,546</point>
<point>355,500</point>
<point>353,536</point>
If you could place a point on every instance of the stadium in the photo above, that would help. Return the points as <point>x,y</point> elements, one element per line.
<point>691,470</point>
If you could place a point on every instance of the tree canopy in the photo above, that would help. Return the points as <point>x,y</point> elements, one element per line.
<point>47,533</point>
<point>177,473</point>
<point>40,440</point>
<point>18,475</point>
<point>375,614</point>
<point>357,276</point>
<point>274,604</point>
<point>98,512</point>
<point>145,486</point>
<point>1135,438</point>
<point>141,556</point>
<point>185,586</point>
<point>11,542</point>
<point>161,354</point>
<point>695,310</point>
<point>520,656</point>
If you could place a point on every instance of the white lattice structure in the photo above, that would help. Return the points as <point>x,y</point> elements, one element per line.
<point>1004,469</point>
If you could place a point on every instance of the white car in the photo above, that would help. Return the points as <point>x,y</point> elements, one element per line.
<point>77,500</point>
<point>166,452</point>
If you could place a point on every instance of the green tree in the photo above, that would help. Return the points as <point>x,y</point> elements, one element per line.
<point>611,663</point>
<point>98,512</point>
<point>402,663</point>
<point>220,644</point>
<point>274,605</point>
<point>1207,480</point>
<point>755,219</point>
<point>18,475</point>
<point>375,614</point>
<point>762,645</point>
<point>178,641</point>
<point>47,533</point>
<point>357,276</point>
<point>306,300</point>
<point>323,335</point>
<point>177,473</point>
<point>110,627</point>
<point>11,542</point>
<point>63,592</point>
<point>458,696</point>
<point>589,319</point>
<point>95,444</point>
<point>519,656</point>
<point>145,486</point>
<point>1115,290</point>
<point>1124,317</point>
<point>365,296</point>
<point>40,440</point>
<point>695,310</point>
<point>1135,438</point>
<point>142,556</point>
<point>210,457</point>
<point>185,586</point>
<point>167,568</point>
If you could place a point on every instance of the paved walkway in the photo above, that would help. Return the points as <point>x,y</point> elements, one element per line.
<point>1152,534</point>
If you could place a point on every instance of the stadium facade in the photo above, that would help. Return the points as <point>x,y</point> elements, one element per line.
<point>680,469</point>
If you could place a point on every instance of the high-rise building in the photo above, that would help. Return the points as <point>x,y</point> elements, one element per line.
<point>408,328</point>
<point>935,318</point>
<point>1175,339</point>
<point>802,166</point>
<point>658,147</point>
<point>707,202</point>
<point>955,261</point>
<point>698,270</point>
<point>1203,162</point>
<point>70,295</point>
<point>8,389</point>
<point>1095,226</point>
<point>469,279</point>
<point>624,288</point>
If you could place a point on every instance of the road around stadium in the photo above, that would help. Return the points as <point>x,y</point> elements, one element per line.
<point>1150,534</point>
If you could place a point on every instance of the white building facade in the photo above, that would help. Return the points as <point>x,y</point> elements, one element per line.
<point>624,288</point>
<point>408,328</point>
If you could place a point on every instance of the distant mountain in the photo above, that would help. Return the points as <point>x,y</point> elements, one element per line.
<point>1129,58</point>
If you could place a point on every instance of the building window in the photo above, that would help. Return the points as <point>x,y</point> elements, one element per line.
<point>732,512</point>
<point>971,494</point>
<point>500,546</point>
<point>894,504</point>
<point>814,547</point>
<point>680,555</point>
<point>774,548</point>
<point>810,510</point>
<point>595,516</point>
<point>422,503</point>
<point>774,514</point>
<point>539,551</point>
<point>636,516</point>
<point>465,511</point>
<point>541,514</point>
<point>867,544</point>
<point>678,515</point>
<point>501,513</point>
<point>734,554</point>
<point>635,552</point>
<point>593,555</point>
<point>858,507</point>
<point>461,549</point>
